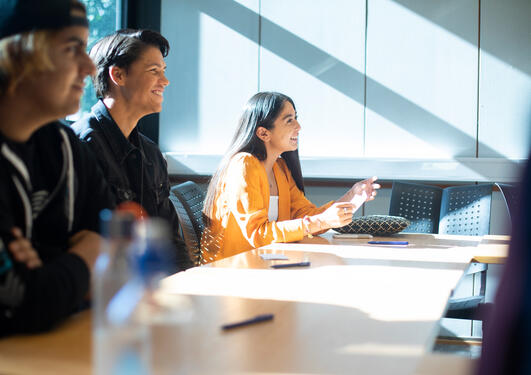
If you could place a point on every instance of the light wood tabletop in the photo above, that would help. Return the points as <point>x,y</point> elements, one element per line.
<point>358,308</point>
<point>65,350</point>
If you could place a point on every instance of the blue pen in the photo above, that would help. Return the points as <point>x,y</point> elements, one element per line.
<point>256,319</point>
<point>286,265</point>
<point>388,242</point>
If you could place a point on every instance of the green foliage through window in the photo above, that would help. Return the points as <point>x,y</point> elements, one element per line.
<point>102,18</point>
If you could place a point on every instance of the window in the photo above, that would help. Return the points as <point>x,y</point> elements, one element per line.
<point>103,17</point>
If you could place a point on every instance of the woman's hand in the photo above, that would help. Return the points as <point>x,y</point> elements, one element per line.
<point>22,250</point>
<point>361,192</point>
<point>337,215</point>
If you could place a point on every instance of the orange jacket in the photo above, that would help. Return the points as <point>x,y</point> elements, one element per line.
<point>240,215</point>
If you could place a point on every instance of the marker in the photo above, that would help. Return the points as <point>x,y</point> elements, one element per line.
<point>286,265</point>
<point>388,242</point>
<point>256,319</point>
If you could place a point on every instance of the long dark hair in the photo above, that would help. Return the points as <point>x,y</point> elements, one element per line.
<point>261,110</point>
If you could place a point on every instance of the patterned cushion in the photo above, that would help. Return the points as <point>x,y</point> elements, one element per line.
<point>375,224</point>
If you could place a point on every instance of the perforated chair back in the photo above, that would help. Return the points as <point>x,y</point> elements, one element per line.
<point>420,204</point>
<point>510,196</point>
<point>466,210</point>
<point>188,199</point>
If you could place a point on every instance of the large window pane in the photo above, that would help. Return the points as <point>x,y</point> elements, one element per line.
<point>102,18</point>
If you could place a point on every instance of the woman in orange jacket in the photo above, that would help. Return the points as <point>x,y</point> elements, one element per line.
<point>256,197</point>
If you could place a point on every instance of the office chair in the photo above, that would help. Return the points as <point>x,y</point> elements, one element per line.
<point>455,210</point>
<point>465,210</point>
<point>188,199</point>
<point>420,204</point>
<point>510,196</point>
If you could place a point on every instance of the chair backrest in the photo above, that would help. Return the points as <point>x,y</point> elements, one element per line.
<point>466,210</point>
<point>420,204</point>
<point>188,199</point>
<point>510,196</point>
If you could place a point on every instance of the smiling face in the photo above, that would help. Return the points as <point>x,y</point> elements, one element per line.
<point>144,82</point>
<point>56,93</point>
<point>284,135</point>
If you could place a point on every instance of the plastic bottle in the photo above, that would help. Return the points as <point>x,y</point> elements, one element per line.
<point>121,344</point>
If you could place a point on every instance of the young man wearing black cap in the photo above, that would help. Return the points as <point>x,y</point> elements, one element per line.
<point>130,83</point>
<point>51,189</point>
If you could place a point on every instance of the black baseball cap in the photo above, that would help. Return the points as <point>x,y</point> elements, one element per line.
<point>19,16</point>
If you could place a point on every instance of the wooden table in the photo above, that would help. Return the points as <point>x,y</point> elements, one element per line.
<point>66,350</point>
<point>357,309</point>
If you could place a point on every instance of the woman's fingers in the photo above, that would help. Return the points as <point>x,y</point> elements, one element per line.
<point>345,214</point>
<point>370,189</point>
<point>338,215</point>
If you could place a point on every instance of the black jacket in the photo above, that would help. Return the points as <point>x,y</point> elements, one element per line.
<point>51,188</point>
<point>135,170</point>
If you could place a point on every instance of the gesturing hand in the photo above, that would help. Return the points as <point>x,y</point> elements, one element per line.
<point>22,250</point>
<point>361,192</point>
<point>337,215</point>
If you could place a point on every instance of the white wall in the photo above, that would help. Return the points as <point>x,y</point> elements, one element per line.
<point>315,54</point>
<point>422,79</point>
<point>212,68</point>
<point>388,85</point>
<point>505,78</point>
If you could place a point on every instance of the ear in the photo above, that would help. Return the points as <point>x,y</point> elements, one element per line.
<point>263,134</point>
<point>117,75</point>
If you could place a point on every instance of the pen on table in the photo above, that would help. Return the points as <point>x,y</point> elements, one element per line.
<point>256,319</point>
<point>388,242</point>
<point>286,265</point>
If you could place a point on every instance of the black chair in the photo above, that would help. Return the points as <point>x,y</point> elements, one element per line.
<point>461,210</point>
<point>465,210</point>
<point>420,204</point>
<point>188,199</point>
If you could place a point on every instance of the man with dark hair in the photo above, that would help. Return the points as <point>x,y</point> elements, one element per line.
<point>51,189</point>
<point>129,83</point>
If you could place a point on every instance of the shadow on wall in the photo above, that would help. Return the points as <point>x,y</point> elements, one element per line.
<point>323,66</point>
<point>504,35</point>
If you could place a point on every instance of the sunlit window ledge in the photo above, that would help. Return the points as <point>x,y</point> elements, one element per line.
<point>458,169</point>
